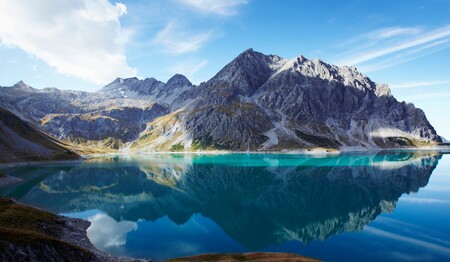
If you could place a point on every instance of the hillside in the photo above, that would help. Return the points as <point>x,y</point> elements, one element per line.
<point>20,141</point>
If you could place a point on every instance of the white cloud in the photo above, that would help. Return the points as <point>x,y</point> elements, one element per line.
<point>106,232</point>
<point>416,200</point>
<point>121,8</point>
<point>399,45</point>
<point>427,96</point>
<point>217,7</point>
<point>82,38</point>
<point>394,32</point>
<point>188,69</point>
<point>371,39</point>
<point>177,42</point>
<point>12,61</point>
<point>415,84</point>
<point>411,240</point>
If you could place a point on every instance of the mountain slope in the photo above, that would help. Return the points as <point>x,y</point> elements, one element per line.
<point>260,102</point>
<point>256,102</point>
<point>19,141</point>
<point>96,121</point>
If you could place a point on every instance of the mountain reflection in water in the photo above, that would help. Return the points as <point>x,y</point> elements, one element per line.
<point>257,199</point>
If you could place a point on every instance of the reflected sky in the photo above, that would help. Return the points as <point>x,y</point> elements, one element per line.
<point>329,207</point>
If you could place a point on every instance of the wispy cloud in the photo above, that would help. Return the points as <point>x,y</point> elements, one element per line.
<point>428,96</point>
<point>415,84</point>
<point>399,45</point>
<point>189,68</point>
<point>216,7</point>
<point>416,200</point>
<point>79,38</point>
<point>382,34</point>
<point>410,240</point>
<point>394,32</point>
<point>176,41</point>
<point>12,61</point>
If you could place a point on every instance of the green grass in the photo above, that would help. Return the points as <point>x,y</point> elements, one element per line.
<point>176,148</point>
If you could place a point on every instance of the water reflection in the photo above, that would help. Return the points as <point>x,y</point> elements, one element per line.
<point>105,232</point>
<point>258,200</point>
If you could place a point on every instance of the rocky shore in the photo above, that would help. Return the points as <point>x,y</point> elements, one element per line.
<point>31,234</point>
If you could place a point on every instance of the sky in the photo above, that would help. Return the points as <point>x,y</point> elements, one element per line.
<point>85,44</point>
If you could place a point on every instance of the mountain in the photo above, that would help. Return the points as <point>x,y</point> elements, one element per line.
<point>148,89</point>
<point>20,141</point>
<point>94,121</point>
<point>256,102</point>
<point>260,102</point>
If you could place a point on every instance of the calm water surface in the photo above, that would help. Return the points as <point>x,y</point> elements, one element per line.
<point>388,206</point>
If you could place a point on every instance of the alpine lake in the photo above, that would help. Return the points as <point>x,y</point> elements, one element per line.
<point>384,206</point>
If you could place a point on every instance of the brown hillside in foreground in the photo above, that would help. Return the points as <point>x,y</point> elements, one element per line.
<point>264,257</point>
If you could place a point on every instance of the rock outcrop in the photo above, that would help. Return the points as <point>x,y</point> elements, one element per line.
<point>30,234</point>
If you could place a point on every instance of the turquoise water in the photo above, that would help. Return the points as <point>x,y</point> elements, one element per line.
<point>390,206</point>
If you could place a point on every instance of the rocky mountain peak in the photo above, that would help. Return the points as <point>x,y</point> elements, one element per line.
<point>151,80</point>
<point>248,52</point>
<point>383,90</point>
<point>22,86</point>
<point>178,80</point>
<point>247,72</point>
<point>318,69</point>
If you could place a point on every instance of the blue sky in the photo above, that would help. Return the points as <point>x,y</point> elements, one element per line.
<point>84,44</point>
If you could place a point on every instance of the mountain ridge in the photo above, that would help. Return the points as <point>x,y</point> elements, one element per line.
<point>256,102</point>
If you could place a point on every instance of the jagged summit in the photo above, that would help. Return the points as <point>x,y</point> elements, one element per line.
<point>22,86</point>
<point>20,83</point>
<point>348,76</point>
<point>178,80</point>
<point>248,71</point>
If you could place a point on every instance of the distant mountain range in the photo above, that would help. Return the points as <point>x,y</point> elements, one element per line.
<point>256,102</point>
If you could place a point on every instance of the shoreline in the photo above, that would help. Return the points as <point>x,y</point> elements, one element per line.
<point>54,237</point>
<point>58,236</point>
<point>26,163</point>
<point>312,151</point>
<point>6,180</point>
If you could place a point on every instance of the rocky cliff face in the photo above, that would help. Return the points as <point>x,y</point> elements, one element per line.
<point>260,102</point>
<point>256,102</point>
